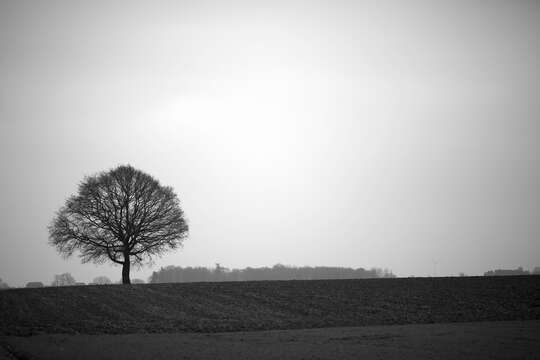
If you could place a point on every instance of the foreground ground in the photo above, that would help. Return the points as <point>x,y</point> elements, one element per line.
<point>480,340</point>
<point>266,305</point>
<point>420,318</point>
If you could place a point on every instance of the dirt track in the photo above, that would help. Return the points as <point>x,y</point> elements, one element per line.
<point>481,340</point>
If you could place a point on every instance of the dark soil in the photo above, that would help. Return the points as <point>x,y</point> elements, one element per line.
<point>503,340</point>
<point>266,305</point>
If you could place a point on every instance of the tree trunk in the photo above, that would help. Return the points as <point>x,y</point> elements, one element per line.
<point>125,270</point>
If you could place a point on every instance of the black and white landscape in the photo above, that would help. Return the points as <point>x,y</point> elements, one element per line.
<point>269,179</point>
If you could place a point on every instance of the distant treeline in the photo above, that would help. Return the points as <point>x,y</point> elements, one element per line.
<point>518,271</point>
<point>277,272</point>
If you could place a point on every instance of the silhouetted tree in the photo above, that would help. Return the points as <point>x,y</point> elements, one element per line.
<point>64,279</point>
<point>123,215</point>
<point>101,280</point>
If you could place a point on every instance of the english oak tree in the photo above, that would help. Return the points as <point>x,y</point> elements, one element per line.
<point>123,215</point>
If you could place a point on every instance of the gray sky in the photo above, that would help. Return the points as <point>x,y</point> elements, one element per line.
<point>350,133</point>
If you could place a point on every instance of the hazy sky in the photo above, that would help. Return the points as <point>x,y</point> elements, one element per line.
<point>394,134</point>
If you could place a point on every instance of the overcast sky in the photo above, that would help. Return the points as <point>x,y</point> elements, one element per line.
<point>397,134</point>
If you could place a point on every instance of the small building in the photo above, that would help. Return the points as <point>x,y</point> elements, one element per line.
<point>34,284</point>
<point>507,272</point>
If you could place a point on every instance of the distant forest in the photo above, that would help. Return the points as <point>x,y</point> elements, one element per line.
<point>277,272</point>
<point>518,271</point>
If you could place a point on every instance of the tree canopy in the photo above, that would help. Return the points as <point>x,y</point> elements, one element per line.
<point>122,215</point>
<point>101,280</point>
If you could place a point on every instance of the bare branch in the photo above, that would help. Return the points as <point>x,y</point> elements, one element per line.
<point>119,214</point>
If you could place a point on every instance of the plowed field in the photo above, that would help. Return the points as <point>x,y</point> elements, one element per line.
<point>266,305</point>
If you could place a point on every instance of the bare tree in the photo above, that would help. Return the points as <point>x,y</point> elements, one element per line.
<point>64,279</point>
<point>123,215</point>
